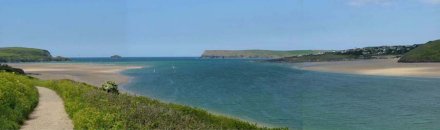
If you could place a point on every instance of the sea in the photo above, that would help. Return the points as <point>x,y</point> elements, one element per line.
<point>281,95</point>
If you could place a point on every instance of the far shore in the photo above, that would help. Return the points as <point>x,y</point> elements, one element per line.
<point>94,74</point>
<point>380,67</point>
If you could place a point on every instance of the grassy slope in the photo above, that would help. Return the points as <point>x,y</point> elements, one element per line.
<point>429,52</point>
<point>91,108</point>
<point>18,98</point>
<point>19,54</point>
<point>256,53</point>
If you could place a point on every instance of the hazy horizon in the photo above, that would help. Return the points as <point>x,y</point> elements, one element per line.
<point>156,28</point>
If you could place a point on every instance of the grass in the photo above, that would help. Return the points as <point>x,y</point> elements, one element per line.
<point>429,52</point>
<point>92,108</point>
<point>18,97</point>
<point>20,54</point>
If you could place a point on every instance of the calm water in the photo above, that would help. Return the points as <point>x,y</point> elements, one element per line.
<point>279,95</point>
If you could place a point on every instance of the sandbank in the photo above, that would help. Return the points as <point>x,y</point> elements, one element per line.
<point>94,74</point>
<point>381,67</point>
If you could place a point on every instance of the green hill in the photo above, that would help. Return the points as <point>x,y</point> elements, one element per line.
<point>21,54</point>
<point>429,52</point>
<point>256,53</point>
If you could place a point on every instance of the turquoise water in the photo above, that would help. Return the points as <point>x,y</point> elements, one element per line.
<point>279,95</point>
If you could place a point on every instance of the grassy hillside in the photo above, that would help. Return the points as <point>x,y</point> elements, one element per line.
<point>92,108</point>
<point>429,52</point>
<point>255,53</point>
<point>18,97</point>
<point>19,54</point>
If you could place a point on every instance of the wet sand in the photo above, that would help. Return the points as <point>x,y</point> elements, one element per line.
<point>382,67</point>
<point>94,74</point>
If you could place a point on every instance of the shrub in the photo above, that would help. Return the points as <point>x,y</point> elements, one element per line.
<point>110,87</point>
<point>7,68</point>
<point>18,97</point>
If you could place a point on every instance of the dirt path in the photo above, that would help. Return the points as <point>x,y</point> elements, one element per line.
<point>49,114</point>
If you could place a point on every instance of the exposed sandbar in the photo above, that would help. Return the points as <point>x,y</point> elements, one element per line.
<point>382,67</point>
<point>94,74</point>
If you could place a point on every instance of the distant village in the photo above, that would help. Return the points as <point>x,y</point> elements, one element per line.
<point>373,51</point>
<point>377,51</point>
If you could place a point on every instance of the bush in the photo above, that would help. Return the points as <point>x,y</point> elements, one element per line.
<point>110,87</point>
<point>7,68</point>
<point>18,97</point>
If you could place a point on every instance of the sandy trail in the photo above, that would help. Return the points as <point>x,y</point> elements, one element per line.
<point>49,114</point>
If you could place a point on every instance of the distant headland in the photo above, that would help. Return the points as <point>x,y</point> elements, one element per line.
<point>238,54</point>
<point>22,54</point>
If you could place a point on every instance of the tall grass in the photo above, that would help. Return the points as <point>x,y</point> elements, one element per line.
<point>18,97</point>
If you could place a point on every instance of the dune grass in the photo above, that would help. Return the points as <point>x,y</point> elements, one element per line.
<point>18,97</point>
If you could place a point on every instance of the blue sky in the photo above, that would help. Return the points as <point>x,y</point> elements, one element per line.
<point>83,28</point>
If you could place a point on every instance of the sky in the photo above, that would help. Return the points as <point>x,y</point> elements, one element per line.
<point>180,28</point>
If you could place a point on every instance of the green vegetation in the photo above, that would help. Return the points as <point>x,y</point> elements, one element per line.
<point>429,52</point>
<point>18,97</point>
<point>20,54</point>
<point>110,87</point>
<point>7,68</point>
<point>379,52</point>
<point>91,108</point>
<point>256,53</point>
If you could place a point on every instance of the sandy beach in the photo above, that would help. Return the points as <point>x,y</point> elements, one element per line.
<point>93,74</point>
<point>382,67</point>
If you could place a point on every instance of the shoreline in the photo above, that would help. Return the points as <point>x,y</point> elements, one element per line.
<point>97,74</point>
<point>93,74</point>
<point>375,67</point>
